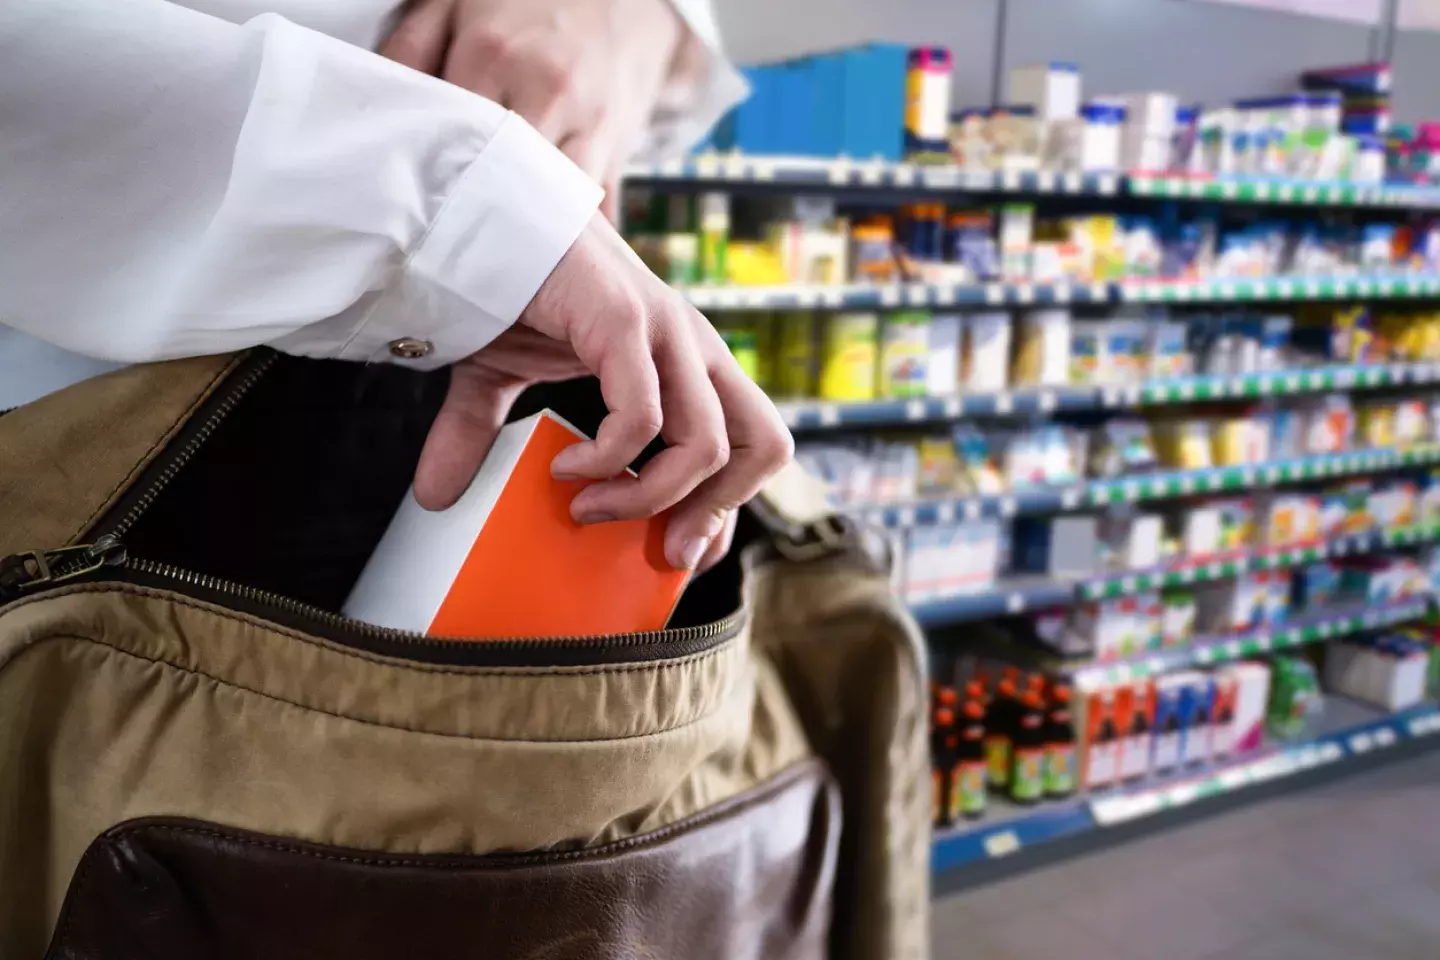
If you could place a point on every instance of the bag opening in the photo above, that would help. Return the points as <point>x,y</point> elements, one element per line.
<point>294,488</point>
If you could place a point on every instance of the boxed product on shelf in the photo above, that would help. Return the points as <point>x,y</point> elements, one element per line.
<point>1135,722</point>
<point>1252,696</point>
<point>1389,671</point>
<point>1177,618</point>
<point>1063,546</point>
<point>944,351</point>
<point>849,356</point>
<point>1132,540</point>
<point>904,354</point>
<point>1042,348</point>
<point>948,560</point>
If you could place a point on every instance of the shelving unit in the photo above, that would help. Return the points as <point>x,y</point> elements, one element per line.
<point>1144,487</point>
<point>812,415</point>
<point>1344,731</point>
<point>737,172</point>
<point>1019,594</point>
<point>856,296</point>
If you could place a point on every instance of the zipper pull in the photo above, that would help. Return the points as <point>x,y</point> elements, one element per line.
<point>34,569</point>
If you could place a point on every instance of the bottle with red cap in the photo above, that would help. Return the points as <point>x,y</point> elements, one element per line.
<point>968,790</point>
<point>944,750</point>
<point>999,734</point>
<point>1027,772</point>
<point>1059,745</point>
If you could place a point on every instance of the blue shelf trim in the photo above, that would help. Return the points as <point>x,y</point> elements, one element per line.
<point>968,845</point>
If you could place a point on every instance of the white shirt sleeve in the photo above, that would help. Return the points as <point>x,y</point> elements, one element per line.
<point>173,184</point>
<point>695,101</point>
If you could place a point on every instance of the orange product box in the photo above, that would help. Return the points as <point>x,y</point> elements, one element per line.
<point>507,560</point>
<point>1135,723</point>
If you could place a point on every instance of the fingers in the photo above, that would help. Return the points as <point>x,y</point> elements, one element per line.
<point>630,386</point>
<point>759,446</point>
<point>474,410</point>
<point>693,428</point>
<point>422,36</point>
<point>719,546</point>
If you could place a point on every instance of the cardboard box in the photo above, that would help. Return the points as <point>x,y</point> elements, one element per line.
<point>1135,714</point>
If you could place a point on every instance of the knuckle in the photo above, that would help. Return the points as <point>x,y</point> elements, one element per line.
<point>775,448</point>
<point>486,44</point>
<point>714,453</point>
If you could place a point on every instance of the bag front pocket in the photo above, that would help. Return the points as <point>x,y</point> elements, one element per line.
<point>750,878</point>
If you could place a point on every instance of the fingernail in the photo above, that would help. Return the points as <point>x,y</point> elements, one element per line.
<point>691,553</point>
<point>588,518</point>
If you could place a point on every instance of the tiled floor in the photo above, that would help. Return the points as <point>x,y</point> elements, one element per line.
<point>1349,870</point>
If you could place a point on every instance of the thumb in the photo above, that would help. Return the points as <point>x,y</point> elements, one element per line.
<point>474,410</point>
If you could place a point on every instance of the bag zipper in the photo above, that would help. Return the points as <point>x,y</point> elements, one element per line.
<point>106,559</point>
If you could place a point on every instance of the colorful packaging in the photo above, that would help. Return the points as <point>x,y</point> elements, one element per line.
<point>848,357</point>
<point>795,362</point>
<point>1102,741</point>
<point>1135,720</point>
<point>1296,695</point>
<point>1042,352</point>
<point>904,345</point>
<point>714,217</point>
<point>1170,720</point>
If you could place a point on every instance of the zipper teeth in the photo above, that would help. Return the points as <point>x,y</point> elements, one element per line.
<point>267,598</point>
<point>234,393</point>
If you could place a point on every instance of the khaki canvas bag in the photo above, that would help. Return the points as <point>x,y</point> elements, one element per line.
<point>199,759</point>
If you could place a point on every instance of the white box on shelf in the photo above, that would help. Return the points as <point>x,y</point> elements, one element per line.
<point>1053,89</point>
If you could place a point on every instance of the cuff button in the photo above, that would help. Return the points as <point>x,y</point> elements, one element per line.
<point>408,348</point>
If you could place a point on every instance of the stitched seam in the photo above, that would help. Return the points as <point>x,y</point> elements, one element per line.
<point>762,793</point>
<point>164,439</point>
<point>776,784</point>
<point>394,663</point>
<point>231,685</point>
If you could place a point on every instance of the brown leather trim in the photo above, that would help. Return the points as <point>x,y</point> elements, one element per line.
<point>748,878</point>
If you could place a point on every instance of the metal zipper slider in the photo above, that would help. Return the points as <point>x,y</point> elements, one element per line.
<point>34,569</point>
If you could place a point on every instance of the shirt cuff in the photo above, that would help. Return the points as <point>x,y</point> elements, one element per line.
<point>509,219</point>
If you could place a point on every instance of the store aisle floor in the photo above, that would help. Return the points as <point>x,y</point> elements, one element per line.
<point>1349,870</point>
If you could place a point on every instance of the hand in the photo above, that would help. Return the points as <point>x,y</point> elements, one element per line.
<point>663,371</point>
<point>585,73</point>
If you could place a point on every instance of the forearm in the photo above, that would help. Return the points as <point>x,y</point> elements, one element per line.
<point>184,185</point>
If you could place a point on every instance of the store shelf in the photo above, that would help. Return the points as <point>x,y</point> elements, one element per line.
<point>1026,593</point>
<point>737,170</point>
<point>822,415</point>
<point>867,296</point>
<point>1343,732</point>
<point>1264,289</point>
<point>1182,574</point>
<point>1210,651</point>
<point>870,296</point>
<point>1278,190</point>
<point>1145,487</point>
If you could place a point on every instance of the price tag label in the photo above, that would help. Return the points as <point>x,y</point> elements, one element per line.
<point>1024,293</point>
<point>1061,293</point>
<point>915,410</point>
<point>1070,499</point>
<point>1047,401</point>
<point>1008,507</point>
<point>890,296</point>
<point>1015,603</point>
<point>954,407</point>
<point>905,517</point>
<point>1001,844</point>
<point>1384,737</point>
<point>1362,743</point>
<point>1004,404</point>
<point>829,415</point>
<point>972,510</point>
<point>994,293</point>
<point>945,512</point>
